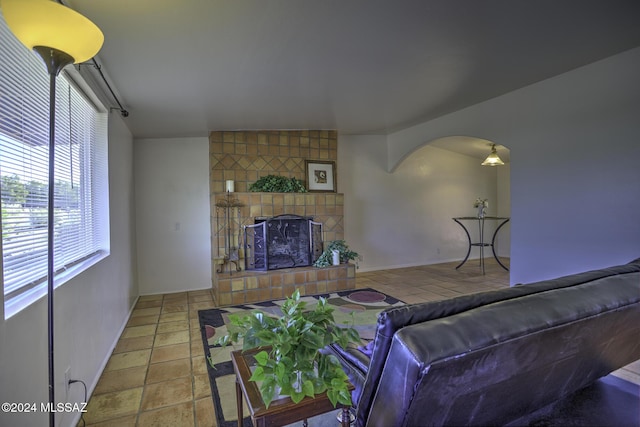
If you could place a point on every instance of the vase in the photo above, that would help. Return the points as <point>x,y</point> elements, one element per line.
<point>481,211</point>
<point>336,256</point>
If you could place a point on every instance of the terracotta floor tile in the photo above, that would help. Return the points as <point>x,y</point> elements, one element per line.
<point>170,370</point>
<point>201,387</point>
<point>193,314</point>
<point>413,299</point>
<point>201,305</point>
<point>157,297</point>
<point>171,416</point>
<point>174,308</point>
<point>129,359</point>
<point>194,323</point>
<point>117,404</point>
<point>205,413</point>
<point>197,347</point>
<point>201,298</point>
<point>139,331</point>
<point>167,393</point>
<point>195,334</point>
<point>174,317</point>
<point>129,421</point>
<point>131,344</point>
<point>143,320</point>
<point>170,352</point>
<point>199,365</point>
<point>121,379</point>
<point>180,325</point>
<point>146,312</point>
<point>149,304</point>
<point>171,338</point>
<point>177,296</point>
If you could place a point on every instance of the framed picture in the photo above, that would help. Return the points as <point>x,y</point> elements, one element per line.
<point>321,175</point>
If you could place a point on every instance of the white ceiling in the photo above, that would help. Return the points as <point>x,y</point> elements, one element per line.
<point>186,67</point>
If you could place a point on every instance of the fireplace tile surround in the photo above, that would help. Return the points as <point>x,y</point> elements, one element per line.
<point>231,288</point>
<point>245,156</point>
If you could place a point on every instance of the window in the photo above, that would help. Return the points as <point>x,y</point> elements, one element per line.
<point>81,230</point>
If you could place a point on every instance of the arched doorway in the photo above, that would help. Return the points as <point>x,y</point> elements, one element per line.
<point>449,178</point>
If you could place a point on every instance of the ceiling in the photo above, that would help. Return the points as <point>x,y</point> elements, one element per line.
<point>185,67</point>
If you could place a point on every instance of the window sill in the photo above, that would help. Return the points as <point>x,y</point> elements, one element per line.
<point>22,301</point>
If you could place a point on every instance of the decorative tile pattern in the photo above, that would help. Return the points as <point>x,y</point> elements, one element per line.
<point>245,156</point>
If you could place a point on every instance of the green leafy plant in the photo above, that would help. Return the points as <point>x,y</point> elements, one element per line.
<point>278,184</point>
<point>326,258</point>
<point>291,363</point>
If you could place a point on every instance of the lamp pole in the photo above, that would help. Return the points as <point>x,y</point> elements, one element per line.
<point>55,60</point>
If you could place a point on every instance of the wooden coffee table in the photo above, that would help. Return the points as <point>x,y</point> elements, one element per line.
<point>281,411</point>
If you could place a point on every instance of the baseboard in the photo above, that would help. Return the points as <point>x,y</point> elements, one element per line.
<point>92,386</point>
<point>175,292</point>
<point>415,264</point>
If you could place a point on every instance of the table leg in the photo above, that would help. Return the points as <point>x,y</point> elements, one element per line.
<point>346,417</point>
<point>469,239</point>
<point>493,244</point>
<point>239,403</point>
<point>481,245</point>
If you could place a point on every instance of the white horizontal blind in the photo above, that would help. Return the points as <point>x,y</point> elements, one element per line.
<point>81,190</point>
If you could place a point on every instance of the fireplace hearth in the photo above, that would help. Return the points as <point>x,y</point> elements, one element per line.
<point>283,241</point>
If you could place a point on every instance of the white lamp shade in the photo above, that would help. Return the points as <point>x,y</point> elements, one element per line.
<point>50,24</point>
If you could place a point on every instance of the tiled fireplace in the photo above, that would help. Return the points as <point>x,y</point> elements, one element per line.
<point>243,157</point>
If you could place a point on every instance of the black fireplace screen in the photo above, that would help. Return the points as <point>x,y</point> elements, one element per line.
<point>282,241</point>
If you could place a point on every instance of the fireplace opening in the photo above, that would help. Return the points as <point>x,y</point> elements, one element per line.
<point>283,241</point>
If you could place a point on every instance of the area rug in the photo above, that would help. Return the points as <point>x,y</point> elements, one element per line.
<point>360,306</point>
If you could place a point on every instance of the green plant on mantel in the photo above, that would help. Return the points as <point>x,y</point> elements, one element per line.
<point>278,184</point>
<point>326,258</point>
<point>291,363</point>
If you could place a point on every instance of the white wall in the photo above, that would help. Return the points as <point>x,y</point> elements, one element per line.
<point>503,181</point>
<point>172,214</point>
<point>574,165</point>
<point>404,218</point>
<point>90,310</point>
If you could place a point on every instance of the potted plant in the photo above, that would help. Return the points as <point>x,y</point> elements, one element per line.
<point>291,363</point>
<point>278,184</point>
<point>345,254</point>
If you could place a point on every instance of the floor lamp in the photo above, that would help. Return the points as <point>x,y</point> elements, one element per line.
<point>60,36</point>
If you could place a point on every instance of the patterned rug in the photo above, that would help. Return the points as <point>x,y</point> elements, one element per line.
<point>365,304</point>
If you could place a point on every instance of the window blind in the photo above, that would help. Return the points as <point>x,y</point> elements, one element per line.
<point>81,229</point>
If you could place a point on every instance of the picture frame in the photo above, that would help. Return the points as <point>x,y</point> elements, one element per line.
<point>321,175</point>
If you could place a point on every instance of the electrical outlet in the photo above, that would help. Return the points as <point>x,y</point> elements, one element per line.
<point>67,378</point>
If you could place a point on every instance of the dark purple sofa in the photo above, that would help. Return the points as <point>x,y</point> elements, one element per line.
<point>517,356</point>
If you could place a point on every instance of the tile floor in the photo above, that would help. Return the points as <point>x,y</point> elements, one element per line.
<point>157,375</point>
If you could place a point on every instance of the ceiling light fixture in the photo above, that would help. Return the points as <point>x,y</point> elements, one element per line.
<point>60,36</point>
<point>493,159</point>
